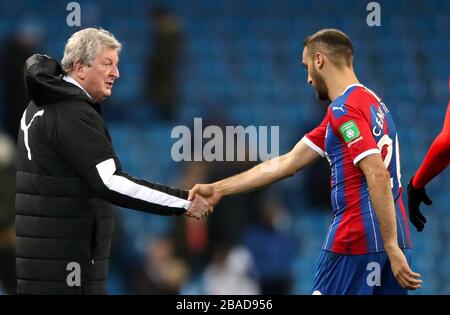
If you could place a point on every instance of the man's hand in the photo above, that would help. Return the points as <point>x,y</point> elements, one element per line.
<point>415,197</point>
<point>208,191</point>
<point>400,268</point>
<point>199,208</point>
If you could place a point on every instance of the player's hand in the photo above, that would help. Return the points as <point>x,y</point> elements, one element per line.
<point>405,276</point>
<point>415,197</point>
<point>208,191</point>
<point>199,208</point>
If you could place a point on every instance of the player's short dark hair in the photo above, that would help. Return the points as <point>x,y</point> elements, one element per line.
<point>336,45</point>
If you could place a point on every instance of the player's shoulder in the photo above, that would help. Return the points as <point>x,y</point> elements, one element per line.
<point>355,100</point>
<point>361,97</point>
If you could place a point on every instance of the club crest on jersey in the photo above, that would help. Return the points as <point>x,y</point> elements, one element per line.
<point>349,131</point>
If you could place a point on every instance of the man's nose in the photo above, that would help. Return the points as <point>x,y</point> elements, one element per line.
<point>115,72</point>
<point>309,80</point>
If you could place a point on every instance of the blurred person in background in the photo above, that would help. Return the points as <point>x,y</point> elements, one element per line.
<point>125,257</point>
<point>197,239</point>
<point>230,272</point>
<point>68,173</point>
<point>235,215</point>
<point>190,237</point>
<point>359,140</point>
<point>436,161</point>
<point>7,234</point>
<point>163,272</point>
<point>162,63</point>
<point>273,248</point>
<point>22,43</point>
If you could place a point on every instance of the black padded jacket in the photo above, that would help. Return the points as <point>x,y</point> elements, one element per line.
<point>67,177</point>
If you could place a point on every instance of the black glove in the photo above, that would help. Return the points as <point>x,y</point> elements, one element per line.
<point>415,197</point>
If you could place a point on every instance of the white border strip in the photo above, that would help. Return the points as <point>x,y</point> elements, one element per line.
<point>313,146</point>
<point>124,186</point>
<point>373,225</point>
<point>364,154</point>
<point>352,85</point>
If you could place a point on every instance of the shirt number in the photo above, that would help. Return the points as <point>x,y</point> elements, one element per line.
<point>387,141</point>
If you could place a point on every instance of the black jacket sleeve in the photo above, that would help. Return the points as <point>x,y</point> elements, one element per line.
<point>81,138</point>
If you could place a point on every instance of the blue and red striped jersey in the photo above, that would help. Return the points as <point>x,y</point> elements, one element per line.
<point>358,124</point>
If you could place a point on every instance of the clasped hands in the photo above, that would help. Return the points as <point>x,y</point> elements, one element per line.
<point>203,198</point>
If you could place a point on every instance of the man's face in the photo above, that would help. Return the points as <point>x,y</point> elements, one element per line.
<point>100,75</point>
<point>314,77</point>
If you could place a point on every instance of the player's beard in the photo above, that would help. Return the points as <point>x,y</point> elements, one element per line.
<point>319,85</point>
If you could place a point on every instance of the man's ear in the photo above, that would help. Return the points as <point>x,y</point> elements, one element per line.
<point>319,61</point>
<point>79,70</point>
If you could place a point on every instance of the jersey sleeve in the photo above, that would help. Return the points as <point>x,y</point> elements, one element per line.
<point>315,139</point>
<point>352,126</point>
<point>81,140</point>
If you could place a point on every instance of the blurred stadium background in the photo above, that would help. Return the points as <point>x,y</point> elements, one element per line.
<point>239,63</point>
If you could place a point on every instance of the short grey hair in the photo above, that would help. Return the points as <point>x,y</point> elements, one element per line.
<point>83,46</point>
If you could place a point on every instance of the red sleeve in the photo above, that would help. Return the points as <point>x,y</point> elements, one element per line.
<point>352,126</point>
<point>437,158</point>
<point>315,139</point>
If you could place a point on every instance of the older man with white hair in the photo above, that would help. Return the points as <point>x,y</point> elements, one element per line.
<point>68,173</point>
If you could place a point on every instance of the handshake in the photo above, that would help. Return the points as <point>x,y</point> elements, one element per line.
<point>203,198</point>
